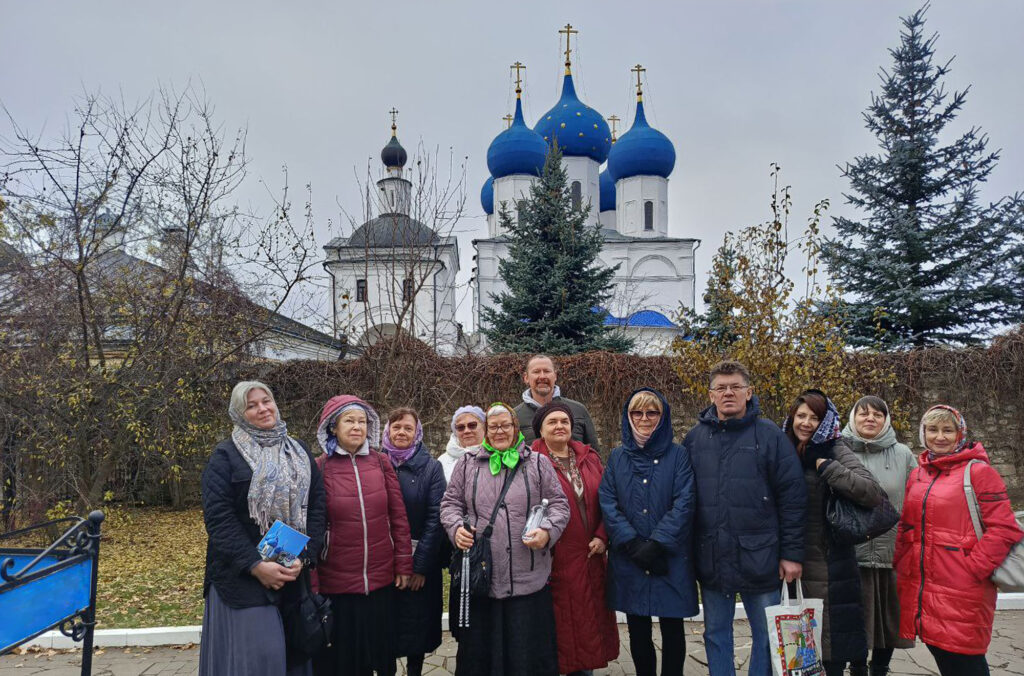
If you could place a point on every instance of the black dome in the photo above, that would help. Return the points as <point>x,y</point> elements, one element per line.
<point>394,154</point>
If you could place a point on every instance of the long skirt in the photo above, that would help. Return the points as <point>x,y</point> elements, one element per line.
<point>363,635</point>
<point>881,609</point>
<point>243,641</point>
<point>509,637</point>
<point>418,617</point>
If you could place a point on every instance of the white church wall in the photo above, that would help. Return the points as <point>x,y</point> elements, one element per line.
<point>630,196</point>
<point>587,172</point>
<point>384,306</point>
<point>510,190</point>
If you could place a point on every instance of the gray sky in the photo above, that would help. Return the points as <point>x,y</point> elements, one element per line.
<point>735,85</point>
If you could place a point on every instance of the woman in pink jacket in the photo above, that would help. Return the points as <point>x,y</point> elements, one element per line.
<point>511,629</point>
<point>368,547</point>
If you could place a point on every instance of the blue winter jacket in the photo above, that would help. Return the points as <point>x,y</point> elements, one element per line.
<point>751,501</point>
<point>423,484</point>
<point>648,492</point>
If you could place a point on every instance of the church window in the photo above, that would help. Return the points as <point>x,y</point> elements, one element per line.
<point>576,191</point>
<point>408,290</point>
<point>648,215</point>
<point>519,211</point>
<point>361,291</point>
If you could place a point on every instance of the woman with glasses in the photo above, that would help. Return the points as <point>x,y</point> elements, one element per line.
<point>511,629</point>
<point>647,498</point>
<point>369,550</point>
<point>467,433</point>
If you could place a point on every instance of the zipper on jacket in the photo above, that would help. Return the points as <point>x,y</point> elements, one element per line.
<point>362,510</point>
<point>920,589</point>
<point>526,482</point>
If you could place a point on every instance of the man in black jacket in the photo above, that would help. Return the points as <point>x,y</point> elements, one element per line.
<point>540,377</point>
<point>751,502</point>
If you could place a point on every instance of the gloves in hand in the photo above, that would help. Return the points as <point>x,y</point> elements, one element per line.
<point>631,548</point>
<point>652,556</point>
<point>815,452</point>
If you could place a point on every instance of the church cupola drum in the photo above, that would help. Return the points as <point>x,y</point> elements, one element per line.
<point>395,190</point>
<point>581,133</point>
<point>515,159</point>
<point>640,163</point>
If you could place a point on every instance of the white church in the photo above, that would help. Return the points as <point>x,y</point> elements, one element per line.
<point>624,180</point>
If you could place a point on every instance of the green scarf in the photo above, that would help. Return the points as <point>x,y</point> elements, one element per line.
<point>509,457</point>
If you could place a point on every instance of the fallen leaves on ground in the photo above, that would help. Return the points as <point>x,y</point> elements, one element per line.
<point>151,569</point>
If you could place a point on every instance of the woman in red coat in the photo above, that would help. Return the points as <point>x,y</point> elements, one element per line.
<point>942,569</point>
<point>368,546</point>
<point>588,637</point>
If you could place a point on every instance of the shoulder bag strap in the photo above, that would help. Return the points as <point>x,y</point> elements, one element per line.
<point>501,498</point>
<point>972,500</point>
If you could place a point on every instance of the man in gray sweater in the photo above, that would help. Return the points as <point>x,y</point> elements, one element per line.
<point>540,378</point>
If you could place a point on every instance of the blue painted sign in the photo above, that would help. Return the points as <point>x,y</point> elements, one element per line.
<point>43,601</point>
<point>54,587</point>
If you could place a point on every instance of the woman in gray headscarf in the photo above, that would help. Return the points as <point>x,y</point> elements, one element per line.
<point>257,476</point>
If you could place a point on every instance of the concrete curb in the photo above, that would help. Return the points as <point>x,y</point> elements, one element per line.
<point>160,636</point>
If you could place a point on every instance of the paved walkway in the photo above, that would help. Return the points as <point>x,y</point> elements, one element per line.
<point>1006,656</point>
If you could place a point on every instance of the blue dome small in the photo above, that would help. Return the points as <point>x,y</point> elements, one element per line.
<point>641,151</point>
<point>517,150</point>
<point>606,185</point>
<point>487,196</point>
<point>579,129</point>
<point>393,155</point>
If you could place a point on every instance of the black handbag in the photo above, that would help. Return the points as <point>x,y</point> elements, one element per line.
<point>480,553</point>
<point>308,622</point>
<point>853,524</point>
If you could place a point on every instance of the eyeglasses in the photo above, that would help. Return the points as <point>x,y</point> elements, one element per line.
<point>649,415</point>
<point>503,427</point>
<point>466,426</point>
<point>729,388</point>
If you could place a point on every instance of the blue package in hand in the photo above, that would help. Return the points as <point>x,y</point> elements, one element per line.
<point>282,544</point>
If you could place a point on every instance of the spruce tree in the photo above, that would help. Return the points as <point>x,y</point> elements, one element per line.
<point>927,263</point>
<point>553,276</point>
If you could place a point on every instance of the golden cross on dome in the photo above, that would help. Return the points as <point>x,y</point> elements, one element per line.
<point>517,66</point>
<point>614,119</point>
<point>638,69</point>
<point>568,32</point>
<point>394,117</point>
<point>508,120</point>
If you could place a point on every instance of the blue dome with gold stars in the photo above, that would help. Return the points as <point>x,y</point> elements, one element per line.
<point>517,150</point>
<point>579,129</point>
<point>641,151</point>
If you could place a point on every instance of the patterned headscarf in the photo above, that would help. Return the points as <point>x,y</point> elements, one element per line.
<point>280,467</point>
<point>961,426</point>
<point>828,428</point>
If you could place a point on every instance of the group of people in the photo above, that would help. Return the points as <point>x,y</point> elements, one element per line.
<point>737,508</point>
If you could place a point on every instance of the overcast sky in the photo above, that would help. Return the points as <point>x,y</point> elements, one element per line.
<point>734,85</point>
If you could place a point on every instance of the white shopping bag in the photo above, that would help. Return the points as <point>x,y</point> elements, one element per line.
<point>794,634</point>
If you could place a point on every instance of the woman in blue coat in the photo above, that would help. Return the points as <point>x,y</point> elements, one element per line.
<point>647,497</point>
<point>419,606</point>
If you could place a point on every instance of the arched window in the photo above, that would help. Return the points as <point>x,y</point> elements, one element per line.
<point>576,191</point>
<point>648,215</point>
<point>361,291</point>
<point>408,290</point>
